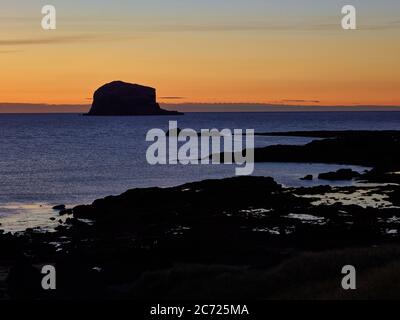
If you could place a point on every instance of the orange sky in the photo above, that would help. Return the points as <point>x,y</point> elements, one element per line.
<point>268,63</point>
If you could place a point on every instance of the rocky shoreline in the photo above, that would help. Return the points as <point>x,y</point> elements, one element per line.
<point>243,237</point>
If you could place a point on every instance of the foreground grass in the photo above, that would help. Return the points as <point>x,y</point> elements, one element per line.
<point>307,275</point>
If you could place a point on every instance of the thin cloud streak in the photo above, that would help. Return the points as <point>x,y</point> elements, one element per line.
<point>172,98</point>
<point>43,41</point>
<point>300,101</point>
<point>250,26</point>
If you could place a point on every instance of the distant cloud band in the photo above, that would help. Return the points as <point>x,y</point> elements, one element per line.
<point>301,101</point>
<point>172,98</point>
<point>40,41</point>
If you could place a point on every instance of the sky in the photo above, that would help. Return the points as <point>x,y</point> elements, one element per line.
<point>255,51</point>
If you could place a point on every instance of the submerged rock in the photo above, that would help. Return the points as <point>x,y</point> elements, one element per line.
<point>59,207</point>
<point>119,98</point>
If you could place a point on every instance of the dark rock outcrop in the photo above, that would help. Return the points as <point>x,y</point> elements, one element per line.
<point>125,99</point>
<point>59,207</point>
<point>237,192</point>
<point>378,150</point>
<point>341,174</point>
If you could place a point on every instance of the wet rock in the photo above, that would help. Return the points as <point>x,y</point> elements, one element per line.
<point>164,203</point>
<point>307,178</point>
<point>65,212</point>
<point>317,190</point>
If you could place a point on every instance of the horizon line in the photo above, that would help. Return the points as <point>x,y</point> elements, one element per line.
<point>189,107</point>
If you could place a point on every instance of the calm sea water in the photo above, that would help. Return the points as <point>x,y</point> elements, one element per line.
<point>51,159</point>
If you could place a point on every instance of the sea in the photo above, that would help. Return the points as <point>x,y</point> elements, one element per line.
<point>52,159</point>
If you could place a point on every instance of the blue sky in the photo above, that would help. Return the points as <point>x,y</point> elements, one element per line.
<point>201,11</point>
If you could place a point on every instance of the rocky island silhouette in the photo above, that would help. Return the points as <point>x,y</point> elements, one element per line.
<point>120,98</point>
